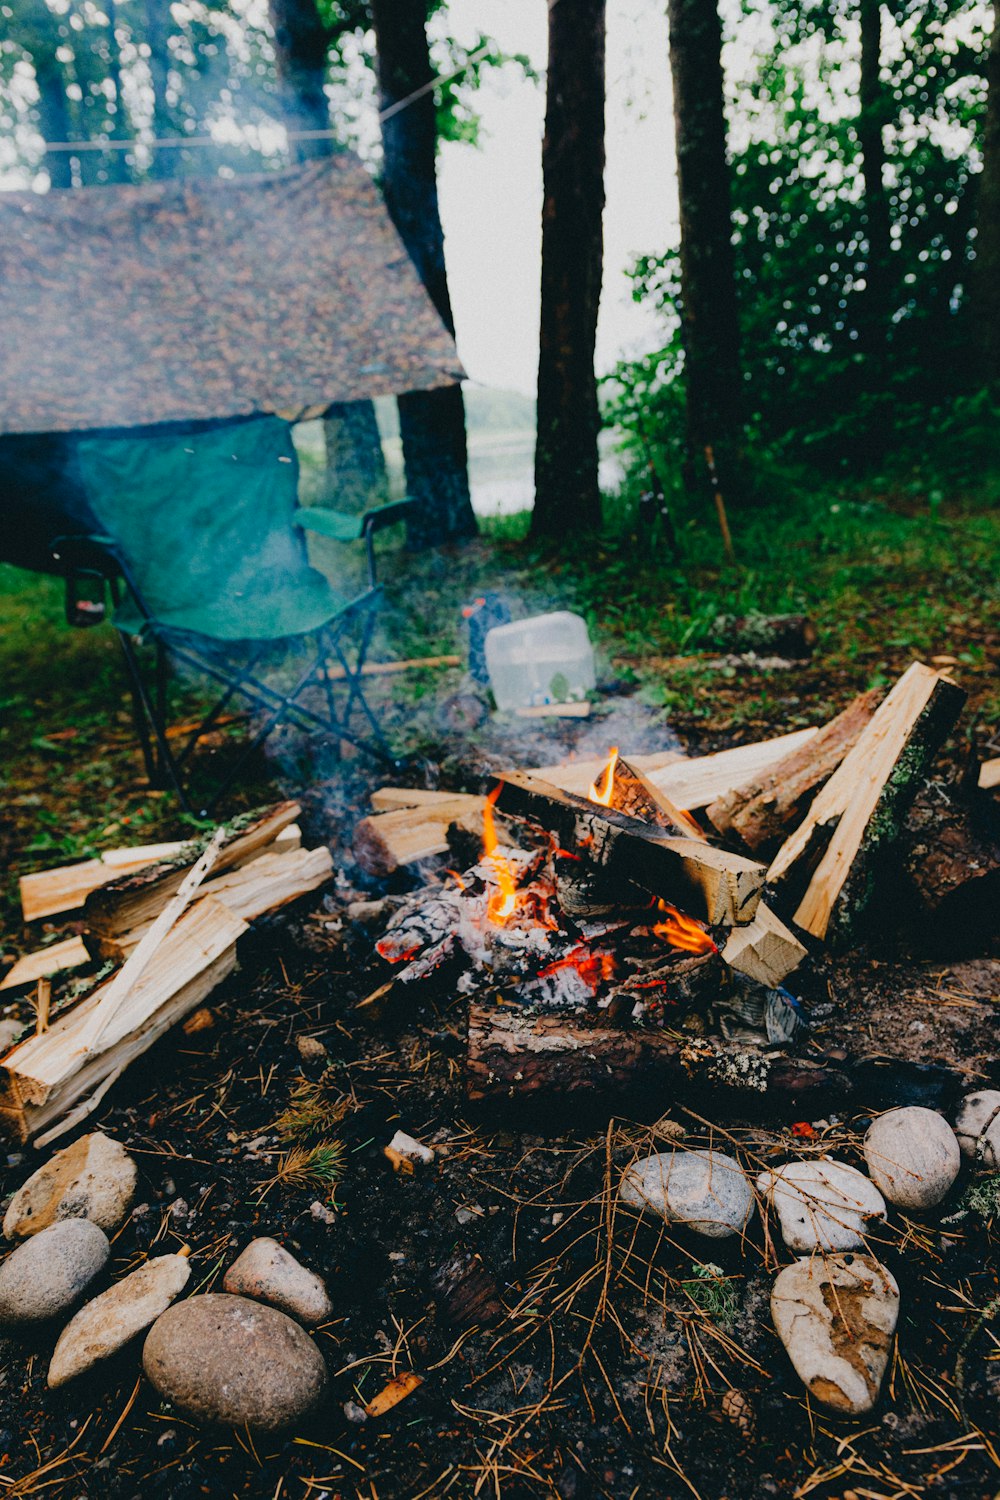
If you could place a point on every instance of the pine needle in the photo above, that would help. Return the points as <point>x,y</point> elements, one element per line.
<point>319,1166</point>
<point>316,1107</point>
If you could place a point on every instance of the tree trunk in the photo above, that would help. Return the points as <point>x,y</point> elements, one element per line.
<point>301,41</point>
<point>53,105</point>
<point>986,270</point>
<point>163,162</point>
<point>567,493</point>
<point>117,161</point>
<point>355,463</point>
<point>874,312</point>
<point>432,423</point>
<point>708,280</point>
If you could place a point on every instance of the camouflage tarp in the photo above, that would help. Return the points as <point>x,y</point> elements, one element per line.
<point>171,301</point>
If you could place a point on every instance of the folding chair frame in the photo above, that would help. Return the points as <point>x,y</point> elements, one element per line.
<point>345,640</point>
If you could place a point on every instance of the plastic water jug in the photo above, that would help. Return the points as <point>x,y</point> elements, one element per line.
<point>547,659</point>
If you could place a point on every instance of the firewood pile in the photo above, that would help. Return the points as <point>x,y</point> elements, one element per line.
<point>163,921</point>
<point>638,922</point>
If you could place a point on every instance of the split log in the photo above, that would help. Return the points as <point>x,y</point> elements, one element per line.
<point>44,962</point>
<point>720,887</point>
<point>47,893</point>
<point>762,811</point>
<point>53,1077</point>
<point>250,891</point>
<point>764,950</point>
<point>387,840</point>
<point>635,795</point>
<point>553,1055</point>
<point>867,799</point>
<point>791,636</point>
<point>688,783</point>
<point>387,798</point>
<point>135,899</point>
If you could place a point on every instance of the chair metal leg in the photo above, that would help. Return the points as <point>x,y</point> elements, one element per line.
<point>163,761</point>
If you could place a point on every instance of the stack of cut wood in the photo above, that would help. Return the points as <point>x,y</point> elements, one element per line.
<point>169,915</point>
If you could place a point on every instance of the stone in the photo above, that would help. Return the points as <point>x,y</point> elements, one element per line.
<point>50,1272</point>
<point>267,1272</point>
<point>705,1190</point>
<point>822,1205</point>
<point>836,1315</point>
<point>977,1126</point>
<point>225,1359</point>
<point>913,1156</point>
<point>106,1324</point>
<point>93,1179</point>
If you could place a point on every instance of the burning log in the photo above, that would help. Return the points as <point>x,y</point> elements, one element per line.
<point>517,1054</point>
<point>866,800</point>
<point>761,811</point>
<point>723,888</point>
<point>688,783</point>
<point>60,1076</point>
<point>625,789</point>
<point>764,950</point>
<point>134,899</point>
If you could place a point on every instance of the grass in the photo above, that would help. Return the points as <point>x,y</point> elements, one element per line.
<point>887,574</point>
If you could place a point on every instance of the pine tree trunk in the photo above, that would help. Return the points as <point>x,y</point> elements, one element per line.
<point>567,493</point>
<point>355,463</point>
<point>986,271</point>
<point>874,312</point>
<point>163,161</point>
<point>708,278</point>
<point>432,423</point>
<point>301,41</point>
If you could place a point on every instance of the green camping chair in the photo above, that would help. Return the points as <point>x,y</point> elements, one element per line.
<point>201,541</point>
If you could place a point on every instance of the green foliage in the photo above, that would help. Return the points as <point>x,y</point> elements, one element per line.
<point>712,1292</point>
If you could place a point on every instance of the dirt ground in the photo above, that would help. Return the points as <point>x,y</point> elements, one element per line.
<point>566,1349</point>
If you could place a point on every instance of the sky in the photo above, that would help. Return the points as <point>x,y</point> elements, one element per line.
<point>491,197</point>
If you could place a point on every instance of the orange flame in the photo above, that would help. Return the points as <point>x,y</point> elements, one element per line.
<point>503,900</point>
<point>603,789</point>
<point>593,968</point>
<point>682,931</point>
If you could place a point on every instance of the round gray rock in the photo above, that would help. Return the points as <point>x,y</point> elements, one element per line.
<point>92,1179</point>
<point>223,1359</point>
<point>836,1316</point>
<point>705,1190</point>
<point>48,1273</point>
<point>822,1205</point>
<point>267,1272</point>
<point>913,1156</point>
<point>106,1325</point>
<point>977,1126</point>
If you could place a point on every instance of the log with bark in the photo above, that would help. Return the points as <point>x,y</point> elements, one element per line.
<point>137,898</point>
<point>951,860</point>
<point>790,636</point>
<point>47,893</point>
<point>712,884</point>
<point>860,811</point>
<point>761,811</point>
<point>516,1054</point>
<point>634,794</point>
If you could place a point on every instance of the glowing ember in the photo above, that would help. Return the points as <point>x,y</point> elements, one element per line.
<point>682,931</point>
<point>503,900</point>
<point>603,789</point>
<point>593,968</point>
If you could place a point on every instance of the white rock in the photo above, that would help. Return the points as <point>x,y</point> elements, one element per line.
<point>977,1126</point>
<point>705,1190</point>
<point>93,1179</point>
<point>822,1205</point>
<point>268,1273</point>
<point>104,1326</point>
<point>913,1156</point>
<point>48,1273</point>
<point>408,1149</point>
<point>836,1316</point>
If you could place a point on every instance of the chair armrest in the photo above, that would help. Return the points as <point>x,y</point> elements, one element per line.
<point>89,550</point>
<point>332,523</point>
<point>387,515</point>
